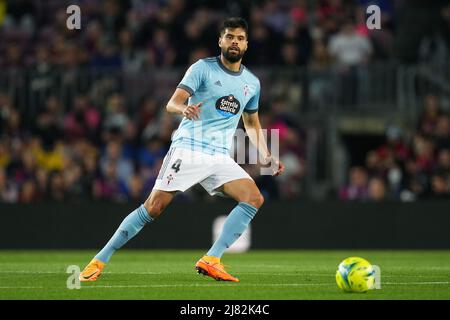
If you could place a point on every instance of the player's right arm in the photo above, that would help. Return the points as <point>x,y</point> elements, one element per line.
<point>177,105</point>
<point>191,82</point>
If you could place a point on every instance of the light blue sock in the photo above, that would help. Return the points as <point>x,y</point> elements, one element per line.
<point>129,227</point>
<point>234,226</point>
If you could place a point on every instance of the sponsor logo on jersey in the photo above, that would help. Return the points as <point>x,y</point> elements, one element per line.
<point>228,106</point>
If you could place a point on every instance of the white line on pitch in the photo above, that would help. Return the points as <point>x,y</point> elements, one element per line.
<point>209,285</point>
<point>22,288</point>
<point>305,274</point>
<point>255,285</point>
<point>416,283</point>
<point>229,285</point>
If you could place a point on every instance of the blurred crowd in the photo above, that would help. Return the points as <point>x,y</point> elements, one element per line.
<point>412,164</point>
<point>112,155</point>
<point>135,34</point>
<point>69,135</point>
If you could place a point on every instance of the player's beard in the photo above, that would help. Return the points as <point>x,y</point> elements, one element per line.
<point>230,57</point>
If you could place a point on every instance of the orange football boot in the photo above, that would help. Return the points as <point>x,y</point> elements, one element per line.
<point>211,267</point>
<point>92,271</point>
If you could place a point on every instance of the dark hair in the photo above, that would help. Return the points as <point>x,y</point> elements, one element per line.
<point>232,23</point>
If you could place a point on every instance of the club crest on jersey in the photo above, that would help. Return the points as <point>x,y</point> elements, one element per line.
<point>228,106</point>
<point>169,178</point>
<point>246,90</point>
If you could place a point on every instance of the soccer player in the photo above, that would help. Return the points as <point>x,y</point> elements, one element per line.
<point>219,91</point>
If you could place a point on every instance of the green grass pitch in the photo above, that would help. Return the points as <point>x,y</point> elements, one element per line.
<point>169,275</point>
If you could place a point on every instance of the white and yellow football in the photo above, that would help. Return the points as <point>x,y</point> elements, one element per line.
<point>355,274</point>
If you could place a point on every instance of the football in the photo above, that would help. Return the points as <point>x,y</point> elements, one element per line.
<point>355,274</point>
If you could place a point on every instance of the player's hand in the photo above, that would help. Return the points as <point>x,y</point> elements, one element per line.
<point>276,164</point>
<point>192,112</point>
<point>279,167</point>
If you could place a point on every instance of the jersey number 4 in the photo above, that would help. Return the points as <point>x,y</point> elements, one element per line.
<point>176,165</point>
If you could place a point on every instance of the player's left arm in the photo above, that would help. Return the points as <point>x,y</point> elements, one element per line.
<point>256,136</point>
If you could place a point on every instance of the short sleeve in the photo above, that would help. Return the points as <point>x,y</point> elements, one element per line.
<point>253,104</point>
<point>193,78</point>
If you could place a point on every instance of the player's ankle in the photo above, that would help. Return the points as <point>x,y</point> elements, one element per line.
<point>211,259</point>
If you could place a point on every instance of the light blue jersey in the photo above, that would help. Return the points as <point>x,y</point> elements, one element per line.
<point>225,95</point>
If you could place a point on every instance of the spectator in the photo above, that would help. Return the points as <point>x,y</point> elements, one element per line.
<point>132,59</point>
<point>113,18</point>
<point>73,179</point>
<point>90,173</point>
<point>83,121</point>
<point>28,192</point>
<point>377,189</point>
<point>350,51</point>
<point>49,122</point>
<point>414,182</point>
<point>5,155</point>
<point>357,187</point>
<point>107,57</point>
<point>56,189</point>
<point>442,132</point>
<point>114,154</point>
<point>290,55</point>
<point>116,115</point>
<point>148,111</point>
<point>152,152</point>
<point>424,150</point>
<point>439,186</point>
<point>135,188</point>
<point>8,190</point>
<point>443,164</point>
<point>42,182</point>
<point>349,48</point>
<point>109,186</point>
<point>394,146</point>
<point>25,167</point>
<point>320,86</point>
<point>260,36</point>
<point>374,164</point>
<point>431,113</point>
<point>42,75</point>
<point>13,56</point>
<point>160,51</point>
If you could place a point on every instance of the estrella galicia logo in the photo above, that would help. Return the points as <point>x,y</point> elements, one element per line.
<point>228,106</point>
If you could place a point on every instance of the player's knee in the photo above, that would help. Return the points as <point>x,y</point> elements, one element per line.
<point>256,200</point>
<point>154,207</point>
